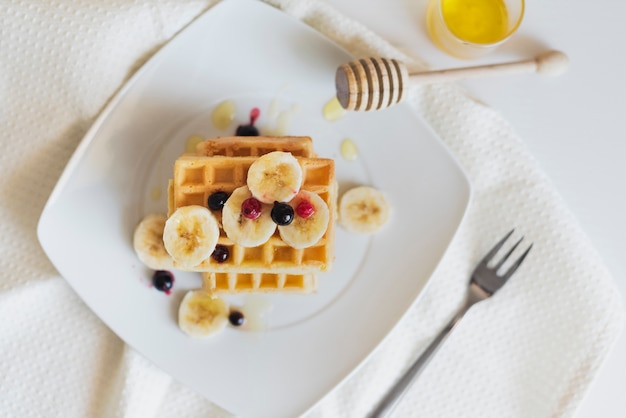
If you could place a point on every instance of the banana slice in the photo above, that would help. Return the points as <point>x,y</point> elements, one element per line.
<point>241,230</point>
<point>275,177</point>
<point>148,243</point>
<point>202,314</point>
<point>190,235</point>
<point>363,210</point>
<point>305,232</point>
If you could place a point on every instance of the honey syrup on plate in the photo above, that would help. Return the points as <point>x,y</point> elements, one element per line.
<point>476,21</point>
<point>223,114</point>
<point>332,110</point>
<point>349,150</point>
<point>192,143</point>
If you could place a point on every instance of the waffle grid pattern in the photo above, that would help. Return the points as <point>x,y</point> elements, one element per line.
<point>234,282</point>
<point>247,146</point>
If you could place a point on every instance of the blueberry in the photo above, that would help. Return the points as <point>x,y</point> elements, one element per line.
<point>220,254</point>
<point>217,200</point>
<point>163,280</point>
<point>247,130</point>
<point>236,318</point>
<point>282,214</point>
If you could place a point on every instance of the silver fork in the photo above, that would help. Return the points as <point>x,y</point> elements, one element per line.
<point>485,281</point>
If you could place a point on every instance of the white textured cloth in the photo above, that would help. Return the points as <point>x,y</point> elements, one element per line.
<point>529,352</point>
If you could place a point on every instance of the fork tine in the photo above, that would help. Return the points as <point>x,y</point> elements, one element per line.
<point>507,255</point>
<point>515,265</point>
<point>495,249</point>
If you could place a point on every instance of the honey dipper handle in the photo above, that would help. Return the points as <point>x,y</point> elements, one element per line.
<point>548,63</point>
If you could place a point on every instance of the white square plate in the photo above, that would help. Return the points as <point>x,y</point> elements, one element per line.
<point>256,56</point>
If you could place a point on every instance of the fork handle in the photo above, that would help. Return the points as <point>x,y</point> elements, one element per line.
<point>392,398</point>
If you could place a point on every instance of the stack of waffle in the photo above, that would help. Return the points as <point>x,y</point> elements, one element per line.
<point>222,165</point>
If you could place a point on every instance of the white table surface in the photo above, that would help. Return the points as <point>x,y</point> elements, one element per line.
<point>573,125</point>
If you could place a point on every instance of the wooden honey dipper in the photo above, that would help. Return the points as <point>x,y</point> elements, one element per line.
<point>376,83</point>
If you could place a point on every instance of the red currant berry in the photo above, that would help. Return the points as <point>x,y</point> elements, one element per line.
<point>305,209</point>
<point>251,208</point>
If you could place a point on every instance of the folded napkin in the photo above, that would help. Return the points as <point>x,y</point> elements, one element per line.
<point>531,351</point>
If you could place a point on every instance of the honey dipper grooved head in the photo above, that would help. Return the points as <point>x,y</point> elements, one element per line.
<point>370,83</point>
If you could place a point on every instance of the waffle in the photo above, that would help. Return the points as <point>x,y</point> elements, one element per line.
<point>197,177</point>
<point>273,266</point>
<point>246,146</point>
<point>255,146</point>
<point>259,282</point>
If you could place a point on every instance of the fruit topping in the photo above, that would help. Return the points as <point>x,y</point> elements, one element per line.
<point>163,280</point>
<point>190,235</point>
<point>363,210</point>
<point>242,230</point>
<point>276,176</point>
<point>148,243</point>
<point>251,208</point>
<point>306,231</point>
<point>305,209</point>
<point>247,130</point>
<point>282,213</point>
<point>220,254</point>
<point>202,314</point>
<point>250,129</point>
<point>236,318</point>
<point>217,200</point>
